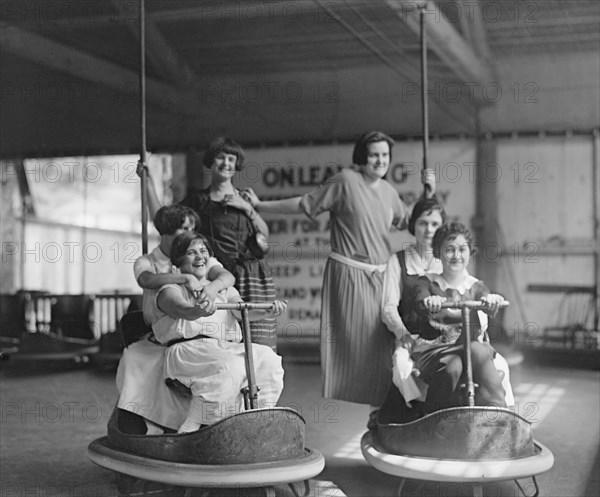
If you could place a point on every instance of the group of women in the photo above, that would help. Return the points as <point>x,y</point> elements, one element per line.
<point>360,315</point>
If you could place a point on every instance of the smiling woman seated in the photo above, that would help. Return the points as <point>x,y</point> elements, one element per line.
<point>204,349</point>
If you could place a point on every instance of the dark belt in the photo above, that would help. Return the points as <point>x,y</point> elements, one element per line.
<point>179,340</point>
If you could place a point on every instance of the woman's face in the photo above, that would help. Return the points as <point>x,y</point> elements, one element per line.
<point>378,160</point>
<point>195,259</point>
<point>224,165</point>
<point>455,254</point>
<point>426,225</point>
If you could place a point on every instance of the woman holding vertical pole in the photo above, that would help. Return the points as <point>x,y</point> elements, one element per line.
<point>363,207</point>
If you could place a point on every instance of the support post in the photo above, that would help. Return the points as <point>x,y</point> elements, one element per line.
<point>486,210</point>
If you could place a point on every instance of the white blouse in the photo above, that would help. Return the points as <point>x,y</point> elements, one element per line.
<point>392,286</point>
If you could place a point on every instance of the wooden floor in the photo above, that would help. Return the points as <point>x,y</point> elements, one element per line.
<point>52,411</point>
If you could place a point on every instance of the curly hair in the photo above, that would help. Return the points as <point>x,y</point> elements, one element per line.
<point>425,206</point>
<point>223,144</point>
<point>170,218</point>
<point>182,242</point>
<point>449,232</point>
<point>361,147</point>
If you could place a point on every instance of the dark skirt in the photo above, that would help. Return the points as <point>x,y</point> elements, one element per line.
<point>255,284</point>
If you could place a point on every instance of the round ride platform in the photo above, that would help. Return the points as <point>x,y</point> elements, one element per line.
<point>476,472</point>
<point>205,475</point>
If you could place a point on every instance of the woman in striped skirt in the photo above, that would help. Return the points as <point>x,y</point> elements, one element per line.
<point>236,232</point>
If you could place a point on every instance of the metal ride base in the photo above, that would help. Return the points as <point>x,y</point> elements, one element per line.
<point>247,453</point>
<point>256,449</point>
<point>260,476</point>
<point>472,444</point>
<point>475,472</point>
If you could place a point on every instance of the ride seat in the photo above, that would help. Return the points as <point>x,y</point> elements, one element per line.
<point>132,327</point>
<point>72,316</point>
<point>575,322</point>
<point>12,320</point>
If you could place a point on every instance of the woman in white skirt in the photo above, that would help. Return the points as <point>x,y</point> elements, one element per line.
<point>204,352</point>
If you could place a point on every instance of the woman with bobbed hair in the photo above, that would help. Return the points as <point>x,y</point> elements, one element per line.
<point>405,267</point>
<point>363,207</point>
<point>236,232</point>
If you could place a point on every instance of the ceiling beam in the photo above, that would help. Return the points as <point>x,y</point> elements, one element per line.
<point>84,66</point>
<point>407,71</point>
<point>159,51</point>
<point>444,41</point>
<point>472,24</point>
<point>100,13</point>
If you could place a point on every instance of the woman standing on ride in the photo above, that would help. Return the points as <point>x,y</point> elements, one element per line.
<point>363,207</point>
<point>405,267</point>
<point>403,270</point>
<point>235,231</point>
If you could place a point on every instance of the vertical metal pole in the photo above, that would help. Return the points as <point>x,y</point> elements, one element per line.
<point>424,90</point>
<point>84,233</point>
<point>144,177</point>
<point>596,183</point>
<point>466,321</point>
<point>24,212</point>
<point>251,391</point>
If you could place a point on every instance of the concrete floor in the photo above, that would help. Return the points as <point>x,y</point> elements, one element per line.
<point>52,411</point>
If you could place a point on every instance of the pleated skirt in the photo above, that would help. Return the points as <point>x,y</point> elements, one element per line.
<point>356,346</point>
<point>255,284</point>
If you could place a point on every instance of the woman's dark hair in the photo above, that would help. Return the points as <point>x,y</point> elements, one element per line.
<point>182,242</point>
<point>361,147</point>
<point>449,232</point>
<point>425,206</point>
<point>222,144</point>
<point>170,218</point>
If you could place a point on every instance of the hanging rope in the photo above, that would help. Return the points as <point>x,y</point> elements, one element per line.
<point>144,173</point>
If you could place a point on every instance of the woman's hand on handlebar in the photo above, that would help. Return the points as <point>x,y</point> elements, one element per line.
<point>205,307</point>
<point>433,303</point>
<point>492,302</point>
<point>278,308</point>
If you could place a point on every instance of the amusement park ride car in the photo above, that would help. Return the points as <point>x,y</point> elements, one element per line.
<point>256,448</point>
<point>470,444</point>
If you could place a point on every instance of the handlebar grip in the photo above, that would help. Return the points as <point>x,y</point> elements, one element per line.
<point>244,305</point>
<point>470,304</point>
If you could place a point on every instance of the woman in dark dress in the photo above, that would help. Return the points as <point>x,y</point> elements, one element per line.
<point>236,232</point>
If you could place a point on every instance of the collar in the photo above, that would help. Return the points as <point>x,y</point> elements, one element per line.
<point>416,265</point>
<point>467,283</point>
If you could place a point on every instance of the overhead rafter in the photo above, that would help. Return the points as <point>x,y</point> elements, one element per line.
<point>84,66</point>
<point>158,50</point>
<point>445,41</point>
<point>472,25</point>
<point>405,71</point>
